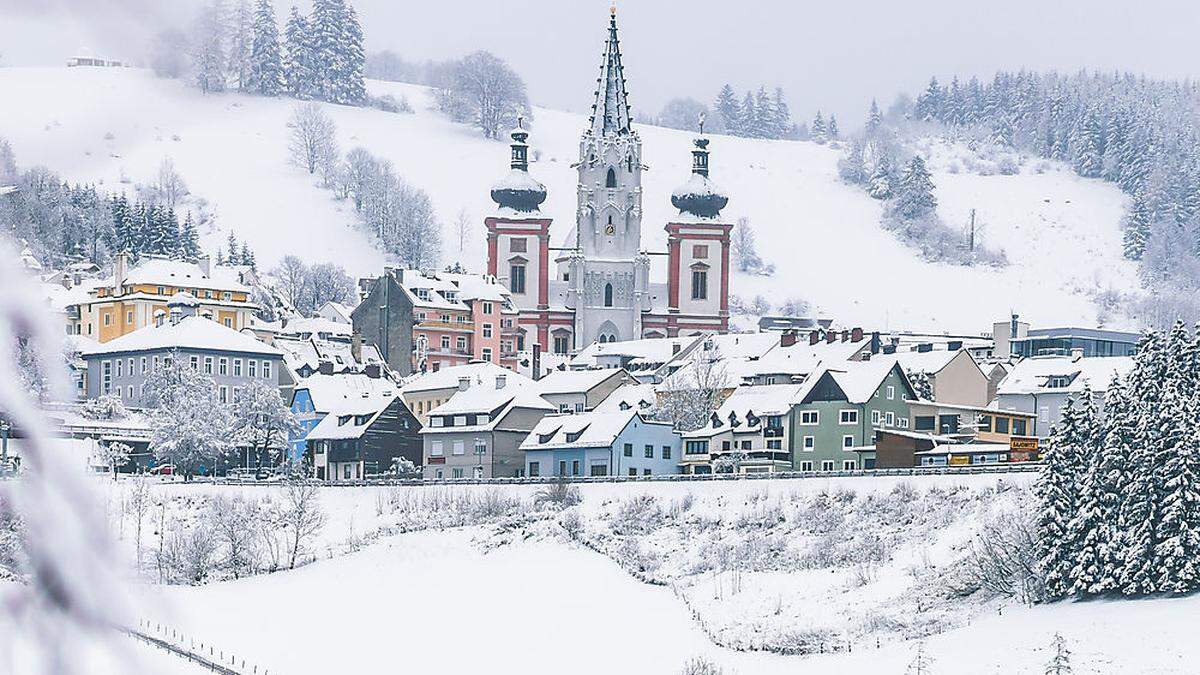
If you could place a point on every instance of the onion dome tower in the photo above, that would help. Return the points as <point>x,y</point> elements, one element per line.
<point>699,196</point>
<point>518,190</point>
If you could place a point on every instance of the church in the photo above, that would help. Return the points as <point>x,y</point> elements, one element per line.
<point>597,287</point>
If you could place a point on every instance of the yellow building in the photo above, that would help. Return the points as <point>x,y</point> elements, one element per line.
<point>136,297</point>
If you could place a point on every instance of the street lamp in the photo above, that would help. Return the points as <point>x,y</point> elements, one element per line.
<point>480,451</point>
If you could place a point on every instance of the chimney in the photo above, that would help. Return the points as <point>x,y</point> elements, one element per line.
<point>889,349</point>
<point>356,347</point>
<point>845,335</point>
<point>205,264</point>
<point>464,383</point>
<point>788,338</point>
<point>373,371</point>
<point>501,380</point>
<point>875,344</point>
<point>120,272</point>
<point>325,368</point>
<point>814,337</point>
<point>856,334</point>
<point>925,347</point>
<point>831,337</point>
<point>954,345</point>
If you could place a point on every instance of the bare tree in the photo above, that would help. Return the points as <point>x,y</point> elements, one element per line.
<point>232,521</point>
<point>463,228</point>
<point>362,170</point>
<point>485,92</point>
<point>291,276</point>
<point>313,142</point>
<point>695,391</point>
<point>114,454</point>
<point>139,504</point>
<point>303,516</point>
<point>743,247</point>
<point>328,282</point>
<point>168,184</point>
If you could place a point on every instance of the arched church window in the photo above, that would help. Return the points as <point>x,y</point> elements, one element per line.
<point>611,181</point>
<point>608,295</point>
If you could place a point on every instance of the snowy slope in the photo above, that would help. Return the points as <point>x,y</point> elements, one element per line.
<point>1059,231</point>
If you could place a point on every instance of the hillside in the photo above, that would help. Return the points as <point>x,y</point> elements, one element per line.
<point>1061,233</point>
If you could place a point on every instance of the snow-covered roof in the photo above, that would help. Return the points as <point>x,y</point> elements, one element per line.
<point>480,373</point>
<point>576,381</point>
<point>927,362</point>
<point>347,393</point>
<point>645,351</point>
<point>336,311</point>
<point>486,398</point>
<point>1035,374</point>
<point>858,380</point>
<point>316,326</point>
<point>762,400</point>
<point>636,396</point>
<point>584,430</point>
<point>166,272</point>
<point>192,332</point>
<point>343,424</point>
<point>518,180</point>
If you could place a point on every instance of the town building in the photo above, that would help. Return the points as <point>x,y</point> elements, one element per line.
<point>580,390</point>
<point>597,288</point>
<point>326,392</point>
<point>953,375</point>
<point>384,318</point>
<point>432,389</point>
<point>749,433</point>
<point>619,443</point>
<point>648,360</point>
<point>1091,342</point>
<point>478,432</point>
<point>232,359</point>
<point>136,297</point>
<point>1042,384</point>
<point>835,414</point>
<point>361,439</point>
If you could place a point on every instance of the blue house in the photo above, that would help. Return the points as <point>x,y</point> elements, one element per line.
<point>617,443</point>
<point>320,394</point>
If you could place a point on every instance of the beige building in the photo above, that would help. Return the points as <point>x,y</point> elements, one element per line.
<point>136,297</point>
<point>954,376</point>
<point>431,390</point>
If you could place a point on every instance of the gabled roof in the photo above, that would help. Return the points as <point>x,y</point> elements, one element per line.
<point>486,398</point>
<point>1033,375</point>
<point>761,400</point>
<point>165,272</point>
<point>348,392</point>
<point>854,381</point>
<point>577,381</point>
<point>585,430</point>
<point>343,424</point>
<point>627,396</point>
<point>480,373</point>
<point>193,332</point>
<point>803,358</point>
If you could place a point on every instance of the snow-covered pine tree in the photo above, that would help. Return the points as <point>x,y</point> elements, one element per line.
<point>783,115</point>
<point>1177,534</point>
<point>1137,227</point>
<point>851,166</point>
<point>749,116</point>
<point>328,44</point>
<point>883,179</point>
<point>352,89</point>
<point>1002,132</point>
<point>122,218</point>
<point>831,130</point>
<point>1140,502</point>
<point>915,198</point>
<point>170,233</point>
<point>766,122</point>
<point>729,110</point>
<point>929,104</point>
<point>209,36</point>
<point>1060,657</point>
<point>266,63</point>
<point>874,119</point>
<point>235,252</point>
<point>1088,145</point>
<point>241,44</point>
<point>298,63</point>
<point>1104,482</point>
<point>1056,487</point>
<point>921,384</point>
<point>1084,525</point>
<point>817,130</point>
<point>189,239</point>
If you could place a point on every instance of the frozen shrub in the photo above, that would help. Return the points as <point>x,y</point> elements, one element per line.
<point>700,666</point>
<point>638,515</point>
<point>905,492</point>
<point>559,494</point>
<point>188,556</point>
<point>681,505</point>
<point>805,641</point>
<point>863,573</point>
<point>571,523</point>
<point>1008,166</point>
<point>1002,561</point>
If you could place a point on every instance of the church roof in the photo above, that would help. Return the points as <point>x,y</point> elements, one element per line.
<point>610,113</point>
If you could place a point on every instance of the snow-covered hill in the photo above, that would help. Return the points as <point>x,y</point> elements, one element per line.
<point>1061,233</point>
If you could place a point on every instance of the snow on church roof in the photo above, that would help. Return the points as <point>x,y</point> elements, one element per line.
<point>192,332</point>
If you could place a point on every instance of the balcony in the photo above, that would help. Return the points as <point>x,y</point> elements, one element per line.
<point>445,325</point>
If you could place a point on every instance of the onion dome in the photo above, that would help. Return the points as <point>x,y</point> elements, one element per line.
<point>699,196</point>
<point>518,190</point>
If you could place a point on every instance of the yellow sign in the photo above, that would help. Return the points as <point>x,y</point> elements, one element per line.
<point>1023,443</point>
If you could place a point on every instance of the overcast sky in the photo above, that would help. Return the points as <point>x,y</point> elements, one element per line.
<point>829,55</point>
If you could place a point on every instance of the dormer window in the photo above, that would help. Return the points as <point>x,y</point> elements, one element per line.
<point>1058,381</point>
<point>344,419</point>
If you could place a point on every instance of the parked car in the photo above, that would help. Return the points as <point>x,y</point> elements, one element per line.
<point>162,470</point>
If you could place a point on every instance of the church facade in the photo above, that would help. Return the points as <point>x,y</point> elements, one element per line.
<point>597,286</point>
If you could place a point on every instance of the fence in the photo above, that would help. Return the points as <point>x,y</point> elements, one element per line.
<point>187,647</point>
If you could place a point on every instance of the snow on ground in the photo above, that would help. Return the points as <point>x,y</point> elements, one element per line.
<point>822,236</point>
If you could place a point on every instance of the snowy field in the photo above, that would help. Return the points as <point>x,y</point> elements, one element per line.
<point>483,579</point>
<point>1060,232</point>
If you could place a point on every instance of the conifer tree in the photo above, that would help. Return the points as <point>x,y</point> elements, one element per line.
<point>882,182</point>
<point>874,119</point>
<point>241,44</point>
<point>266,64</point>
<point>1137,227</point>
<point>729,110</point>
<point>1056,488</point>
<point>817,130</point>
<point>1089,147</point>
<point>1060,657</point>
<point>832,129</point>
<point>1176,555</point>
<point>929,104</point>
<point>914,198</point>
<point>208,47</point>
<point>189,240</point>
<point>298,64</point>
<point>352,89</point>
<point>749,116</point>
<point>851,167</point>
<point>1140,502</point>
<point>766,124</point>
<point>783,115</point>
<point>235,253</point>
<point>1083,526</point>
<point>328,47</point>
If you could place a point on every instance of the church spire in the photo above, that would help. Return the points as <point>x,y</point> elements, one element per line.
<point>610,113</point>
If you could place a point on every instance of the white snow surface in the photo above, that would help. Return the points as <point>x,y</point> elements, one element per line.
<point>1061,233</point>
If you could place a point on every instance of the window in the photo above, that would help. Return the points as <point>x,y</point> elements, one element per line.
<point>1018,427</point>
<point>827,465</point>
<point>891,392</point>
<point>628,450</point>
<point>608,295</point>
<point>562,467</point>
<point>564,408</point>
<point>890,420</point>
<point>599,469</point>
<point>560,344</point>
<point>107,319</point>
<point>847,417</point>
<point>228,322</point>
<point>106,376</point>
<point>666,452</point>
<point>458,448</point>
<point>480,448</point>
<point>456,473</point>
<point>649,452</point>
<point>487,354</point>
<point>578,407</point>
<point>745,445</point>
<point>535,469</point>
<point>574,467</point>
<point>435,449</point>
<point>252,368</point>
<point>161,290</point>
<point>222,366</point>
<point>120,369</point>
<point>699,284</point>
<point>610,180</point>
<point>237,394</point>
<point>129,316</point>
<point>487,307</point>
<point>208,365</point>
<point>847,441</point>
<point>130,364</point>
<point>774,444</point>
<point>926,423</point>
<point>809,443</point>
<point>725,446</point>
<point>227,296</point>
<point>144,365</point>
<point>237,367</point>
<point>1001,425</point>
<point>903,421</point>
<point>984,422</point>
<point>645,472</point>
<point>700,251</point>
<point>810,417</point>
<point>875,418</point>
<point>266,370</point>
<point>517,245</point>
<point>516,279</point>
<point>849,465</point>
<point>806,466</point>
<point>224,394</point>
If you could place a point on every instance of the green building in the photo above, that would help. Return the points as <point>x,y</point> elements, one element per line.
<point>834,416</point>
